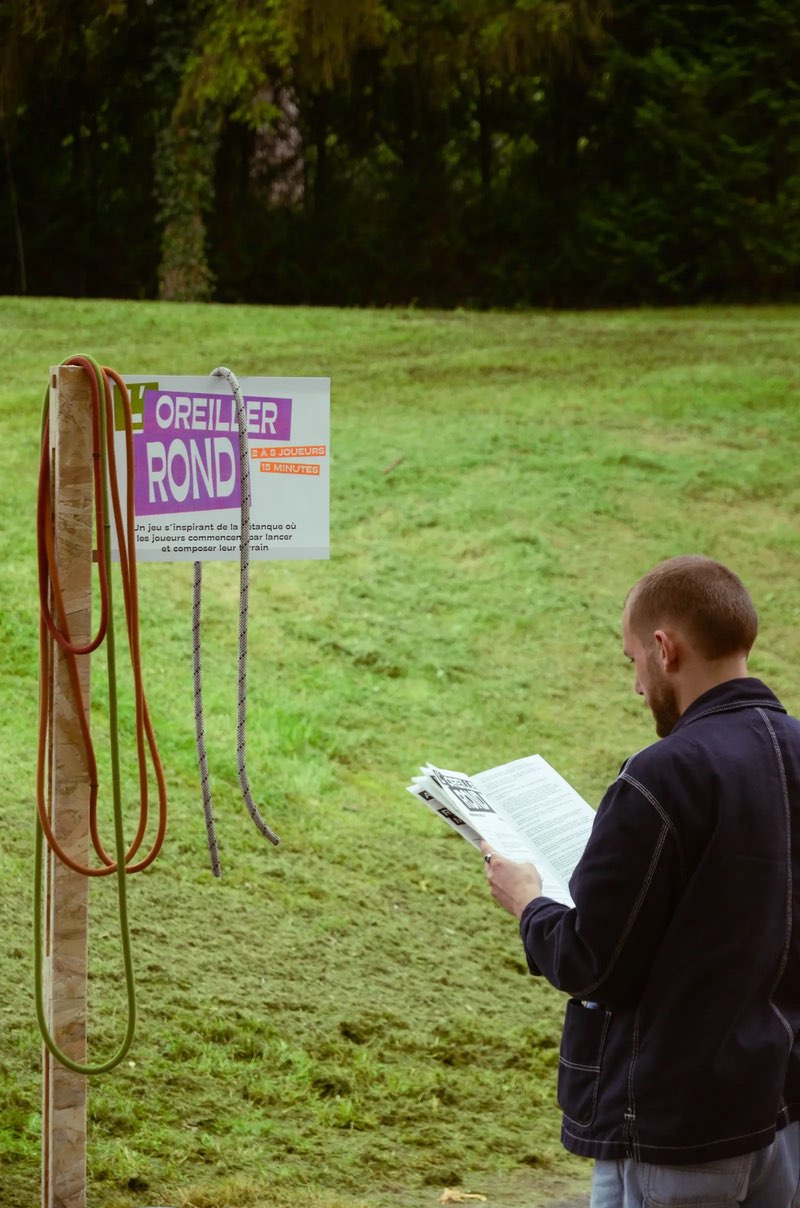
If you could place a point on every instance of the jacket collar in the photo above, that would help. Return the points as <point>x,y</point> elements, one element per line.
<point>733,694</point>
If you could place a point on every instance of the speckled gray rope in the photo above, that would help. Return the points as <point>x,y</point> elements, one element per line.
<point>244,601</point>
<point>244,596</point>
<point>199,723</point>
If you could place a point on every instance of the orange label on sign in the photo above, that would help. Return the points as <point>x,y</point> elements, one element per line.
<point>261,451</point>
<point>288,467</point>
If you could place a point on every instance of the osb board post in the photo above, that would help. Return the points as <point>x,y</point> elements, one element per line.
<point>67,892</point>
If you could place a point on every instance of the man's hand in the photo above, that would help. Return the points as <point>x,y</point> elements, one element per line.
<point>513,885</point>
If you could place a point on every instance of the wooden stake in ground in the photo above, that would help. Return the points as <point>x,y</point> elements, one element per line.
<point>66,893</point>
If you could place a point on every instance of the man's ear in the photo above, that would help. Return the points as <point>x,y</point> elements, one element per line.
<point>668,649</point>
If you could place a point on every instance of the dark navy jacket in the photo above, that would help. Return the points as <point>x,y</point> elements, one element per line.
<point>682,954</point>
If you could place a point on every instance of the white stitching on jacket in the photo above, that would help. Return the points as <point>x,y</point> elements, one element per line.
<point>739,704</point>
<point>760,1132</point>
<point>584,993</point>
<point>787,813</point>
<point>656,804</point>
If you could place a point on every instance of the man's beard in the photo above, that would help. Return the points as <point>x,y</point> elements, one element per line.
<point>663,701</point>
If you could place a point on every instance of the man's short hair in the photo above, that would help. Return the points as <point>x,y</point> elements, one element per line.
<point>701,596</point>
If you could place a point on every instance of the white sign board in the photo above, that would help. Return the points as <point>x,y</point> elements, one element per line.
<point>187,486</point>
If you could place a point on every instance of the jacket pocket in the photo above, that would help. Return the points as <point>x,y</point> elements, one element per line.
<point>580,1061</point>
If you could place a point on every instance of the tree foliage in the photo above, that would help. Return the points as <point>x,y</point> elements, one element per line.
<point>476,152</point>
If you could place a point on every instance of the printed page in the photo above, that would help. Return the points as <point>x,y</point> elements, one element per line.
<point>465,798</point>
<point>546,809</point>
<point>424,789</point>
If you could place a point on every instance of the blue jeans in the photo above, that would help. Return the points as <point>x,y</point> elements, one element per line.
<point>768,1178</point>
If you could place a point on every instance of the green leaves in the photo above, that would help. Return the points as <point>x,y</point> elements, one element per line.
<point>439,152</point>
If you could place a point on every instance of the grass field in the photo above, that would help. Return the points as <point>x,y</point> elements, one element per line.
<point>346,1021</point>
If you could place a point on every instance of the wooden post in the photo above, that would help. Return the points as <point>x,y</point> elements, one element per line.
<point>66,893</point>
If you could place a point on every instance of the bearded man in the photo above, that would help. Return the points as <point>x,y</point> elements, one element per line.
<point>679,1068</point>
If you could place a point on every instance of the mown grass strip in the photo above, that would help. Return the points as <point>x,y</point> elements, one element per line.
<point>348,1020</point>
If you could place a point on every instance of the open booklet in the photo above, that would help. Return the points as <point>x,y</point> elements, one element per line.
<point>524,809</point>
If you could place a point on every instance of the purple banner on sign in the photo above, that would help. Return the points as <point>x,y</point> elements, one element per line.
<point>267,418</point>
<point>179,471</point>
<point>187,456</point>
